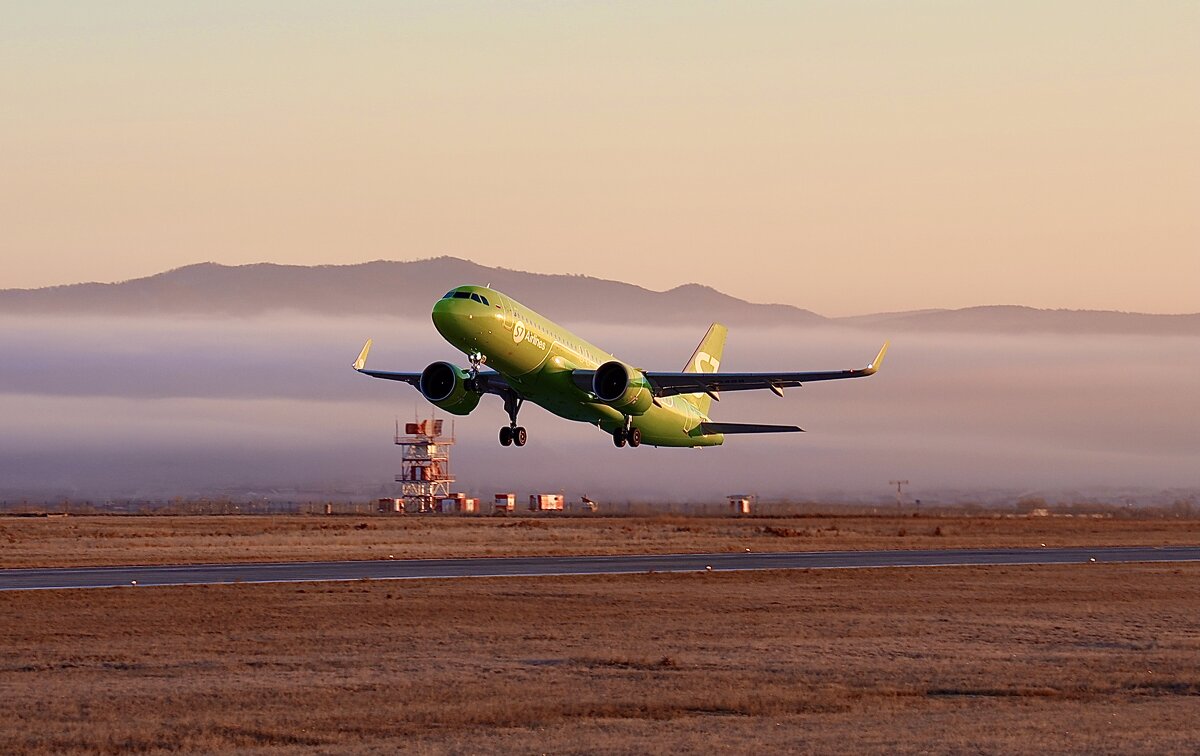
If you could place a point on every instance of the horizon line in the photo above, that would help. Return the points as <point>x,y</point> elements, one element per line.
<point>454,258</point>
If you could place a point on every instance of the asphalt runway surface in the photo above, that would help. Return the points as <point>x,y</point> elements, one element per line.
<point>421,569</point>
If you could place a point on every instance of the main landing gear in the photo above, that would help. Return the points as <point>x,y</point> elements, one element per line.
<point>627,434</point>
<point>513,434</point>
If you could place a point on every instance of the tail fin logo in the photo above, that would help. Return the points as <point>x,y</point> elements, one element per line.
<point>704,363</point>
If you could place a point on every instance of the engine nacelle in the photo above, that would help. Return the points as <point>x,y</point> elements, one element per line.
<point>445,386</point>
<point>622,388</point>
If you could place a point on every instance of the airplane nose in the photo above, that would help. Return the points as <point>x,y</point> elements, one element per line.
<point>446,312</point>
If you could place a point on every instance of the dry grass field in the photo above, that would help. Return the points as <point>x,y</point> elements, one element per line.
<point>1094,658</point>
<point>100,540</point>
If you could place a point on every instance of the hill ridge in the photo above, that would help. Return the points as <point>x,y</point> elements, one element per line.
<point>407,288</point>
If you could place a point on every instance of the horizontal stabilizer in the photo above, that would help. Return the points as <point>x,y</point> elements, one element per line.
<point>748,428</point>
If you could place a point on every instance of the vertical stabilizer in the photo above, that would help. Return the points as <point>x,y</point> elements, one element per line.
<point>706,359</point>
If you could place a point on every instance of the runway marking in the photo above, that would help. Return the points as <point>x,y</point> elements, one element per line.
<point>249,573</point>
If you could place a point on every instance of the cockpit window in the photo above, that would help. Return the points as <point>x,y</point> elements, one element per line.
<point>456,294</point>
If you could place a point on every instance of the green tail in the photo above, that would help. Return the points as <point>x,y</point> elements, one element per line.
<point>706,359</point>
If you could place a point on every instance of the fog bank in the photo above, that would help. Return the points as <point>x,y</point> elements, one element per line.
<point>123,407</point>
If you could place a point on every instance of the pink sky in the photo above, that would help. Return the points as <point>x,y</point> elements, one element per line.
<point>845,157</point>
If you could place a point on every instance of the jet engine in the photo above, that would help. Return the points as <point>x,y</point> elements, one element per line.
<point>623,388</point>
<point>445,386</point>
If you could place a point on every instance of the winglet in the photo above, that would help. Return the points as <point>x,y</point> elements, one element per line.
<point>875,363</point>
<point>361,362</point>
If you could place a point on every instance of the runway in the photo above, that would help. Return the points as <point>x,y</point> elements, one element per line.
<point>62,578</point>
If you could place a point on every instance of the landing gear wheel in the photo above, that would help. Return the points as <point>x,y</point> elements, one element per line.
<point>619,438</point>
<point>519,436</point>
<point>506,436</point>
<point>635,437</point>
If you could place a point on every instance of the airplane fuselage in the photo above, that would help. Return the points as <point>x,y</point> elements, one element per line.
<point>536,358</point>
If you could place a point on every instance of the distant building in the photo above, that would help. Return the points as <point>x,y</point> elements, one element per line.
<point>391,505</point>
<point>505,503</point>
<point>545,502</point>
<point>458,503</point>
<point>739,504</point>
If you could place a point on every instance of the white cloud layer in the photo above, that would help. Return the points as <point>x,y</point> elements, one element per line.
<point>122,407</point>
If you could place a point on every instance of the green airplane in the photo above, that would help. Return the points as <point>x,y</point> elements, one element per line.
<point>536,360</point>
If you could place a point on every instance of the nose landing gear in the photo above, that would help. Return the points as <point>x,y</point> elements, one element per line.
<point>477,359</point>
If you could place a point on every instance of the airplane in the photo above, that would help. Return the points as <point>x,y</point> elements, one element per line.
<point>539,361</point>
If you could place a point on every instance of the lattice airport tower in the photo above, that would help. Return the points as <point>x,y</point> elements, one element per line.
<point>425,465</point>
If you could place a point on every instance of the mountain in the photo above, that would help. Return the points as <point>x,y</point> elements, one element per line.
<point>408,289</point>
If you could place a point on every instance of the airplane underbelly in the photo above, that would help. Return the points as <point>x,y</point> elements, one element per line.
<point>660,426</point>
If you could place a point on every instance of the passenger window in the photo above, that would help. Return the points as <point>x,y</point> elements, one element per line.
<point>462,295</point>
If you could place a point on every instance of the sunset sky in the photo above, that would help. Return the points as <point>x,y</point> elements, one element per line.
<point>846,157</point>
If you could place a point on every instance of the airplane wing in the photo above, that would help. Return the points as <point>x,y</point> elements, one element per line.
<point>729,428</point>
<point>668,384</point>
<point>410,378</point>
<point>361,366</point>
<point>489,380</point>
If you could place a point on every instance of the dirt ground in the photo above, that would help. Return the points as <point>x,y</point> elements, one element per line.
<point>1090,658</point>
<point>100,540</point>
